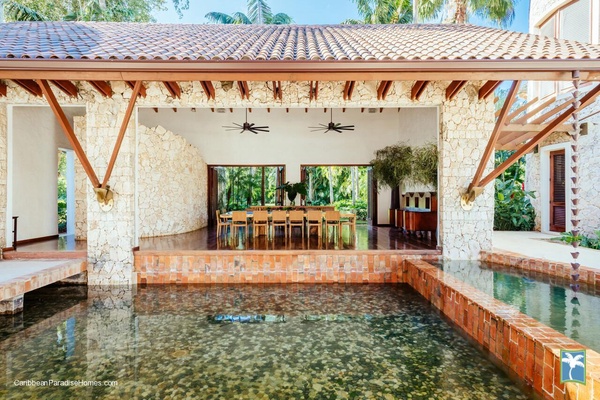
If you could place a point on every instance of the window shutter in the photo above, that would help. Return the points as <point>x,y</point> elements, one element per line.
<point>575,21</point>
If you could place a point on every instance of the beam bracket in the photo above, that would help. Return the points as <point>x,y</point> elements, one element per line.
<point>467,199</point>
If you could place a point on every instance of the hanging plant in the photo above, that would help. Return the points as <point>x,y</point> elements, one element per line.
<point>425,165</point>
<point>392,165</point>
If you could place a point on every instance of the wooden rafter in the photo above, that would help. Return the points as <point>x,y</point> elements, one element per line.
<point>244,89</point>
<point>418,89</point>
<point>142,89</point>
<point>102,87</point>
<point>383,89</point>
<point>489,149</point>
<point>277,94</point>
<point>173,89</point>
<point>66,87</point>
<point>349,89</point>
<point>535,110</point>
<point>3,90</point>
<point>209,89</point>
<point>551,113</point>
<point>488,89</point>
<point>113,158</point>
<point>454,88</point>
<point>519,110</point>
<point>69,132</point>
<point>551,127</point>
<point>313,92</point>
<point>534,127</point>
<point>29,85</point>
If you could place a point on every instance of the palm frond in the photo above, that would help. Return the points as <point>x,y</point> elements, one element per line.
<point>259,11</point>
<point>219,18</point>
<point>19,12</point>
<point>430,9</point>
<point>500,12</point>
<point>241,19</point>
<point>281,19</point>
<point>352,22</point>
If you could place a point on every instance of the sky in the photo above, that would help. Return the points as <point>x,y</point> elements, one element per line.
<point>305,12</point>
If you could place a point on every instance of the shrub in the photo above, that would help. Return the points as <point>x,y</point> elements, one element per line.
<point>512,209</point>
<point>359,208</point>
<point>584,241</point>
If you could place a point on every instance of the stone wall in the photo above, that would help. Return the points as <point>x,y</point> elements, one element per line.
<point>465,125</point>
<point>172,184</point>
<point>81,183</point>
<point>3,172</point>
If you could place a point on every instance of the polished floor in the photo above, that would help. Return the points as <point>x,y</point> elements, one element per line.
<point>62,243</point>
<point>365,238</point>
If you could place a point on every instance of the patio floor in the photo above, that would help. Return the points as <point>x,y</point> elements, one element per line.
<point>538,245</point>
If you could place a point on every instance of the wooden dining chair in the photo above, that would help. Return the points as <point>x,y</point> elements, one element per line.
<point>350,221</point>
<point>279,218</point>
<point>314,218</point>
<point>239,220</point>
<point>221,224</point>
<point>332,218</point>
<point>296,220</point>
<point>260,219</point>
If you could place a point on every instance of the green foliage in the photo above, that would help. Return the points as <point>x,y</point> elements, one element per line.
<point>88,10</point>
<point>293,190</point>
<point>360,208</point>
<point>499,12</point>
<point>425,164</point>
<point>382,12</point>
<point>241,187</point>
<point>392,165</point>
<point>584,241</point>
<point>512,209</point>
<point>259,12</point>
<point>62,192</point>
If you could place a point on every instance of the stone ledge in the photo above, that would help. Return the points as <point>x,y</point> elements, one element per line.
<point>519,343</point>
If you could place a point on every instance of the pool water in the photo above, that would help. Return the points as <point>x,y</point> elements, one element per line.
<point>548,300</point>
<point>252,341</point>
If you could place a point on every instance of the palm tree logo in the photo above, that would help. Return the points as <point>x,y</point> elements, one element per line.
<point>575,360</point>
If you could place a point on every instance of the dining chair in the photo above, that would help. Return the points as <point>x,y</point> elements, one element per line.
<point>239,219</point>
<point>221,223</point>
<point>260,219</point>
<point>332,218</point>
<point>350,221</point>
<point>296,220</point>
<point>314,218</point>
<point>279,218</point>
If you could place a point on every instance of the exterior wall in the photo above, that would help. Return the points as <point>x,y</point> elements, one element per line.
<point>81,183</point>
<point>172,184</point>
<point>465,125</point>
<point>540,9</point>
<point>3,171</point>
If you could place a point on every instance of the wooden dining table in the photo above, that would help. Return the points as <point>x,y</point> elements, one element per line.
<point>348,215</point>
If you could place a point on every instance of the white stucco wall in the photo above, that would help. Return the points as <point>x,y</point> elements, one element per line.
<point>3,173</point>
<point>36,137</point>
<point>172,184</point>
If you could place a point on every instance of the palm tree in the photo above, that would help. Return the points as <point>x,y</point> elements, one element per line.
<point>500,12</point>
<point>259,12</point>
<point>573,362</point>
<point>382,12</point>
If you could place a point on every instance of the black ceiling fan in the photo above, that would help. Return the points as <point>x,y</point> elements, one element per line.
<point>331,126</point>
<point>247,127</point>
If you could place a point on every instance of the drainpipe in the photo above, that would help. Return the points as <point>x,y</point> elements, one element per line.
<point>575,188</point>
<point>415,11</point>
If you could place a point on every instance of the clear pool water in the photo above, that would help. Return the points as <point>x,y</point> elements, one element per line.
<point>548,300</point>
<point>230,342</point>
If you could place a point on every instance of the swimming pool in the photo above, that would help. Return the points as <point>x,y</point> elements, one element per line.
<point>253,341</point>
<point>546,299</point>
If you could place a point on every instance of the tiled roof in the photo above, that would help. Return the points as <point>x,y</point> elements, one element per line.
<point>128,41</point>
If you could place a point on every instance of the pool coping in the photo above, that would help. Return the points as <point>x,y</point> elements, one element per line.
<point>524,346</point>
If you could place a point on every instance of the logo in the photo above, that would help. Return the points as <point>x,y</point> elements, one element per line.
<point>572,366</point>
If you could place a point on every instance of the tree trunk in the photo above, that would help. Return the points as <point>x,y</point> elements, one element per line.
<point>310,186</point>
<point>330,185</point>
<point>353,173</point>
<point>460,15</point>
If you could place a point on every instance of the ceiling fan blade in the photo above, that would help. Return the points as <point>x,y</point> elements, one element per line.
<point>346,127</point>
<point>337,130</point>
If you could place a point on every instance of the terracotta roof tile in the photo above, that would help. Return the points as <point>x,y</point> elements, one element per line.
<point>128,41</point>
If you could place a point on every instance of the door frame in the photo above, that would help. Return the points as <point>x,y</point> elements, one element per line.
<point>545,168</point>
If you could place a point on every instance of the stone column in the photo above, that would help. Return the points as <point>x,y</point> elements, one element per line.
<point>110,235</point>
<point>3,171</point>
<point>81,183</point>
<point>466,125</point>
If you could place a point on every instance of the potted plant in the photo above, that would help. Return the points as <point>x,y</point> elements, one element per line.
<point>392,167</point>
<point>425,165</point>
<point>293,190</point>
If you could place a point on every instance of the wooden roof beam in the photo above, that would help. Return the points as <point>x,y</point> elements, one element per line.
<point>209,89</point>
<point>313,92</point>
<point>489,150</point>
<point>102,87</point>
<point>244,89</point>
<point>349,89</point>
<point>550,128</point>
<point>383,89</point>
<point>488,89</point>
<point>142,89</point>
<point>277,94</point>
<point>454,88</point>
<point>173,89</point>
<point>551,113</point>
<point>29,86</point>
<point>537,109</point>
<point>3,90</point>
<point>519,110</point>
<point>66,87</point>
<point>68,131</point>
<point>418,89</point>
